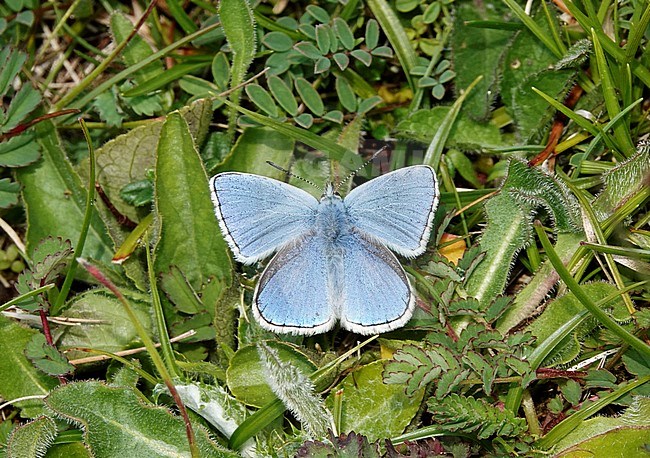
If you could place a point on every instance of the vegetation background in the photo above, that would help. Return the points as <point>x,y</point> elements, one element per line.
<point>126,327</point>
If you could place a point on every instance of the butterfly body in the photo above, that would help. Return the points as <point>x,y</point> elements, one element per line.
<point>332,261</point>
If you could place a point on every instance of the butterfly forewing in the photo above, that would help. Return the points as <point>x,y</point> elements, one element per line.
<point>292,294</point>
<point>258,215</point>
<point>397,208</point>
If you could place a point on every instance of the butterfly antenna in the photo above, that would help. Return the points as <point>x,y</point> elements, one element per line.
<point>354,172</point>
<point>276,166</point>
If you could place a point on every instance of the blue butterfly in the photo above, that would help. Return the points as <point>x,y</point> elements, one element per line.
<point>332,260</point>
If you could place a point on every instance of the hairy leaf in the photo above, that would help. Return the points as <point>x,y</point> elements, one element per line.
<point>32,439</point>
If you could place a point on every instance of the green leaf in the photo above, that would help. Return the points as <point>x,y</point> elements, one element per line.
<point>11,61</point>
<point>372,34</point>
<point>367,400</point>
<point>404,6</point>
<point>322,65</point>
<point>368,104</point>
<point>18,377</point>
<point>310,96</point>
<point>108,108</point>
<point>221,71</point>
<point>128,157</point>
<point>283,94</point>
<point>296,390</point>
<point>277,41</point>
<point>431,13</point>
<point>22,104</point>
<point>32,439</point>
<point>254,147</point>
<point>346,95</point>
<point>139,193</point>
<point>117,422</point>
<point>383,51</point>
<point>261,97</point>
<point>344,446</point>
<point>188,229</point>
<point>64,195</point>
<point>304,120</point>
<point>457,413</point>
<point>46,357</point>
<point>334,116</point>
<point>477,52</point>
<point>136,51</point>
<point>246,374</point>
<point>465,134</point>
<point>308,50</point>
<point>179,292</point>
<point>323,38</point>
<point>113,331</point>
<point>342,60</point>
<point>344,33</point>
<point>397,36</point>
<point>318,13</point>
<point>19,151</point>
<point>158,81</point>
<point>9,192</point>
<point>362,56</point>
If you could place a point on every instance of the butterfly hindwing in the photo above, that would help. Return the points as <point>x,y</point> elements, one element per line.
<point>258,215</point>
<point>378,297</point>
<point>292,294</point>
<point>396,208</point>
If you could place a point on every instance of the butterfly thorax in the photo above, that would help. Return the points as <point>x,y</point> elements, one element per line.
<point>332,219</point>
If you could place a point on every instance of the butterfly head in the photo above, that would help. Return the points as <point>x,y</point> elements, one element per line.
<point>330,192</point>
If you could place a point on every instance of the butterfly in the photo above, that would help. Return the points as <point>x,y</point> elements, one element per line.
<point>333,260</point>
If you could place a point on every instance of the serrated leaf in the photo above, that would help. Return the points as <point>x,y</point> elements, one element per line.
<point>346,95</point>
<point>310,96</point>
<point>9,192</point>
<point>47,358</point>
<point>32,439</point>
<point>11,61</point>
<point>350,445</point>
<point>185,210</point>
<point>415,368</point>
<point>22,104</point>
<point>19,151</point>
<point>277,41</point>
<point>116,422</point>
<point>283,94</point>
<point>260,97</point>
<point>457,413</point>
<point>109,110</point>
<point>372,34</point>
<point>366,400</point>
<point>18,377</point>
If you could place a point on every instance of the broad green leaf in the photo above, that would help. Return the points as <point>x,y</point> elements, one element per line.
<point>18,377</point>
<point>283,94</point>
<point>72,450</point>
<point>127,158</point>
<point>32,439</point>
<point>246,374</point>
<point>179,292</point>
<point>19,151</point>
<point>478,51</point>
<point>310,96</point>
<point>256,146</point>
<point>323,38</point>
<point>189,235</point>
<point>9,192</point>
<point>373,408</point>
<point>344,33</point>
<point>564,308</point>
<point>465,134</point>
<point>117,422</point>
<point>372,34</point>
<point>318,13</point>
<point>58,208</point>
<point>113,331</point>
